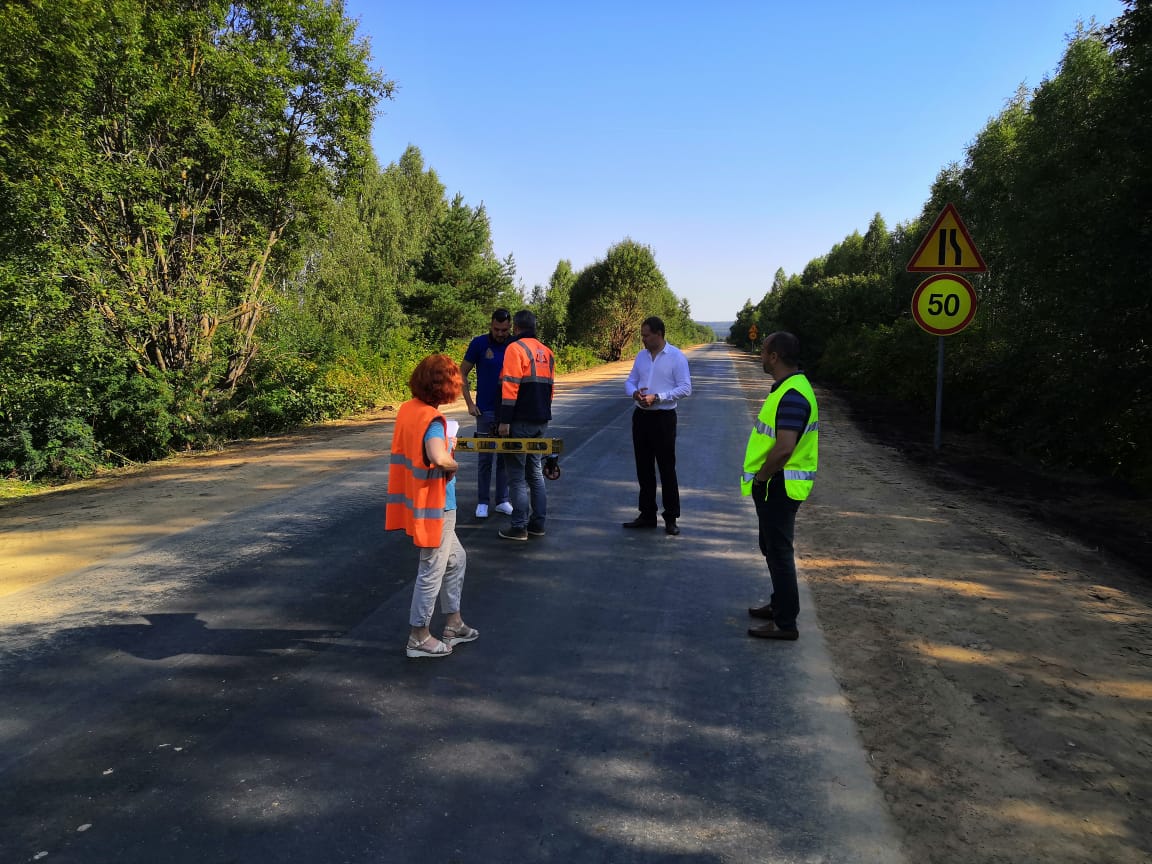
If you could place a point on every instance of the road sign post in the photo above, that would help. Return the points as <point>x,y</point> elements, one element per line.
<point>945,304</point>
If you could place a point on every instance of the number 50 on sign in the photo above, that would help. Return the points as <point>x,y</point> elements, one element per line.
<point>944,304</point>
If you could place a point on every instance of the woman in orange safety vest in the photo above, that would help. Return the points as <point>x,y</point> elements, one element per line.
<point>422,502</point>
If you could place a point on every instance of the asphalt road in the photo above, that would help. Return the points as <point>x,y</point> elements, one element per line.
<point>239,692</point>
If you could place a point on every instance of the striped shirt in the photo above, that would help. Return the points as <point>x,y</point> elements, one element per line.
<point>792,413</point>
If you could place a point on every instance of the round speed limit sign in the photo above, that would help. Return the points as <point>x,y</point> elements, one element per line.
<point>944,304</point>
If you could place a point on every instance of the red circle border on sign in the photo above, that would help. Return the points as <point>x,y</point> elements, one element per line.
<point>936,331</point>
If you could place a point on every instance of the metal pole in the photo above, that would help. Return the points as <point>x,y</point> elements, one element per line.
<point>939,392</point>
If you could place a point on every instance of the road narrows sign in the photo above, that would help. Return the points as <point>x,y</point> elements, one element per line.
<point>944,304</point>
<point>947,248</point>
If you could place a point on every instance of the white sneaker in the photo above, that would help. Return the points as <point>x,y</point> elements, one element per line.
<point>482,511</point>
<point>505,508</point>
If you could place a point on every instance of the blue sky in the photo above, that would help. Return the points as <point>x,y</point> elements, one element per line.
<point>731,137</point>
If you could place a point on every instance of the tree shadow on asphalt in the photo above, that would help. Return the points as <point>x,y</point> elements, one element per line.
<point>171,634</point>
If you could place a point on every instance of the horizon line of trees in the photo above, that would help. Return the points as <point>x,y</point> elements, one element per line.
<point>197,242</point>
<point>1056,191</point>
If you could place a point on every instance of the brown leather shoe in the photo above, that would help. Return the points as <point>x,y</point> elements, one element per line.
<point>764,611</point>
<point>771,631</point>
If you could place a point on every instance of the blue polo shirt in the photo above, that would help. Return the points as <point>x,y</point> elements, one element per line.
<point>488,358</point>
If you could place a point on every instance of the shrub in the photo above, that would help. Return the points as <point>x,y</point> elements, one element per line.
<point>137,421</point>
<point>70,449</point>
<point>573,358</point>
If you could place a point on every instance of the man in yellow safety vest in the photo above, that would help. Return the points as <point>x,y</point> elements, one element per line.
<point>779,468</point>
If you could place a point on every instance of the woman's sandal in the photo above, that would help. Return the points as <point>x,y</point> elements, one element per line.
<point>460,633</point>
<point>423,649</point>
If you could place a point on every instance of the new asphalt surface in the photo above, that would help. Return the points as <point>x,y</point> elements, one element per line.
<point>240,693</point>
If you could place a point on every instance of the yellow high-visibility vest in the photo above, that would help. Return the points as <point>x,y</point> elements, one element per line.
<point>800,470</point>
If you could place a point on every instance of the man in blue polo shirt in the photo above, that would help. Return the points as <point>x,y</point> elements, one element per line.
<point>485,354</point>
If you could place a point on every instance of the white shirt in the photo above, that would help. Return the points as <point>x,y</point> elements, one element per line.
<point>666,375</point>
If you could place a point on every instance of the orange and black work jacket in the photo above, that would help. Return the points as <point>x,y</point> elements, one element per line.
<point>417,490</point>
<point>527,381</point>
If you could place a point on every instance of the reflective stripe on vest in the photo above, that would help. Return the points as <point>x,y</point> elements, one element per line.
<point>417,491</point>
<point>531,376</point>
<point>800,470</point>
<point>530,373</point>
<point>417,512</point>
<point>421,472</point>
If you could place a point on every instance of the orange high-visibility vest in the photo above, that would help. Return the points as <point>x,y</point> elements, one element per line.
<point>417,490</point>
<point>527,381</point>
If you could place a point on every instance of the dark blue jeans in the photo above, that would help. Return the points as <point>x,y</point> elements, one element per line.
<point>526,479</point>
<point>776,514</point>
<point>484,462</point>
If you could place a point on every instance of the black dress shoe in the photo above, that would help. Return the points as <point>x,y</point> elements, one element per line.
<point>771,631</point>
<point>670,527</point>
<point>641,522</point>
<point>764,611</point>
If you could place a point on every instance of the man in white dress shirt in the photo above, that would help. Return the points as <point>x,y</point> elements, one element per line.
<point>659,379</point>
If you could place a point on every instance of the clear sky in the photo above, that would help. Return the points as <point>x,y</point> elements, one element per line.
<point>733,138</point>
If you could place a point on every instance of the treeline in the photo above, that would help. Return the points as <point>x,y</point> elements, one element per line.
<point>1056,191</point>
<point>197,242</point>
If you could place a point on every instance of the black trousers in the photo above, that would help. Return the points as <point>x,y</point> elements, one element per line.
<point>776,516</point>
<point>654,443</point>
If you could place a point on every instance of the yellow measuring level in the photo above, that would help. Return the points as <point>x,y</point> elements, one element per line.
<point>511,445</point>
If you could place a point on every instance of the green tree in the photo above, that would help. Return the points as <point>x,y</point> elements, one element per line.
<point>612,296</point>
<point>158,162</point>
<point>460,280</point>
<point>738,333</point>
<point>878,248</point>
<point>344,296</point>
<point>814,270</point>
<point>191,142</point>
<point>401,209</point>
<point>552,306</point>
<point>847,257</point>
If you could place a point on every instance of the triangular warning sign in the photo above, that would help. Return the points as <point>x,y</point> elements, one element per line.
<point>947,248</point>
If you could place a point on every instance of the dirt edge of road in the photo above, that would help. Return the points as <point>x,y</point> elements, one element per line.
<point>1104,513</point>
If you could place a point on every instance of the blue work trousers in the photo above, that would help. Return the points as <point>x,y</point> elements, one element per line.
<point>484,461</point>
<point>526,479</point>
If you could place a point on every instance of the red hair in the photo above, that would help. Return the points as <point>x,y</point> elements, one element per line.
<point>436,380</point>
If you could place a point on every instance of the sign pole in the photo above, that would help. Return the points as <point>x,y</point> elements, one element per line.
<point>939,392</point>
<point>945,303</point>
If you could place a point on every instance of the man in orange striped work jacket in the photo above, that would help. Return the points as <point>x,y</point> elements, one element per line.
<point>527,384</point>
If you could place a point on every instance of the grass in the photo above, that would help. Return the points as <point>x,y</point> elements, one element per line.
<point>14,490</point>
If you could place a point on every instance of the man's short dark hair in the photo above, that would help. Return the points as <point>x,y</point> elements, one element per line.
<point>500,315</point>
<point>654,324</point>
<point>524,320</point>
<point>786,345</point>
